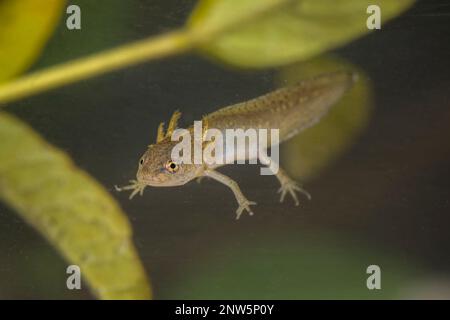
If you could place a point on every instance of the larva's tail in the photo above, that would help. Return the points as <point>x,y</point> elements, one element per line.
<point>311,99</point>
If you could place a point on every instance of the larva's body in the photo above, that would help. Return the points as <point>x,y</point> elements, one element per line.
<point>291,110</point>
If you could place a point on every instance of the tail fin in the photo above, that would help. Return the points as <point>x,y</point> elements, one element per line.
<point>312,98</point>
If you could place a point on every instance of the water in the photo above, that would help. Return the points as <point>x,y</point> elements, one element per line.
<point>385,201</point>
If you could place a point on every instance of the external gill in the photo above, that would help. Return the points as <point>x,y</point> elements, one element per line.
<point>173,123</point>
<point>136,186</point>
<point>161,135</point>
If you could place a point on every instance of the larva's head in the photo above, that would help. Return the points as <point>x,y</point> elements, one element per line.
<point>158,169</point>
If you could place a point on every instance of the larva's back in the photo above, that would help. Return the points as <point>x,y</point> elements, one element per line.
<point>291,109</point>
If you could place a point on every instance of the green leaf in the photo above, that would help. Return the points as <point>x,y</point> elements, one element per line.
<point>102,34</point>
<point>264,33</point>
<point>42,184</point>
<point>26,26</point>
<point>71,210</point>
<point>310,152</point>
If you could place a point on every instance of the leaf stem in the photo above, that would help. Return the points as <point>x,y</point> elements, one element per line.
<point>149,49</point>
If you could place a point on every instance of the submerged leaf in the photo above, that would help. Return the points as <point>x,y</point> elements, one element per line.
<point>308,153</point>
<point>265,33</point>
<point>71,210</point>
<point>26,25</point>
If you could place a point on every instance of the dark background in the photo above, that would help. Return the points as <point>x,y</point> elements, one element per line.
<point>385,201</point>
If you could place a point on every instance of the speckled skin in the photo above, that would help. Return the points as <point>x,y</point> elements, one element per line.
<point>290,109</point>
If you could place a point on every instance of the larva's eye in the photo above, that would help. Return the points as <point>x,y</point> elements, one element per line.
<point>141,162</point>
<point>171,166</point>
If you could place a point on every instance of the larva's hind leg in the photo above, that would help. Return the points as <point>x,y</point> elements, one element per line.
<point>290,186</point>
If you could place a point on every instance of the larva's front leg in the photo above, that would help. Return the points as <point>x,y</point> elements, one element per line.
<point>244,203</point>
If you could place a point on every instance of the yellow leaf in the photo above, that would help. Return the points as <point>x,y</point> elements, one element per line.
<point>26,25</point>
<point>312,150</point>
<point>71,210</point>
<point>264,33</point>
